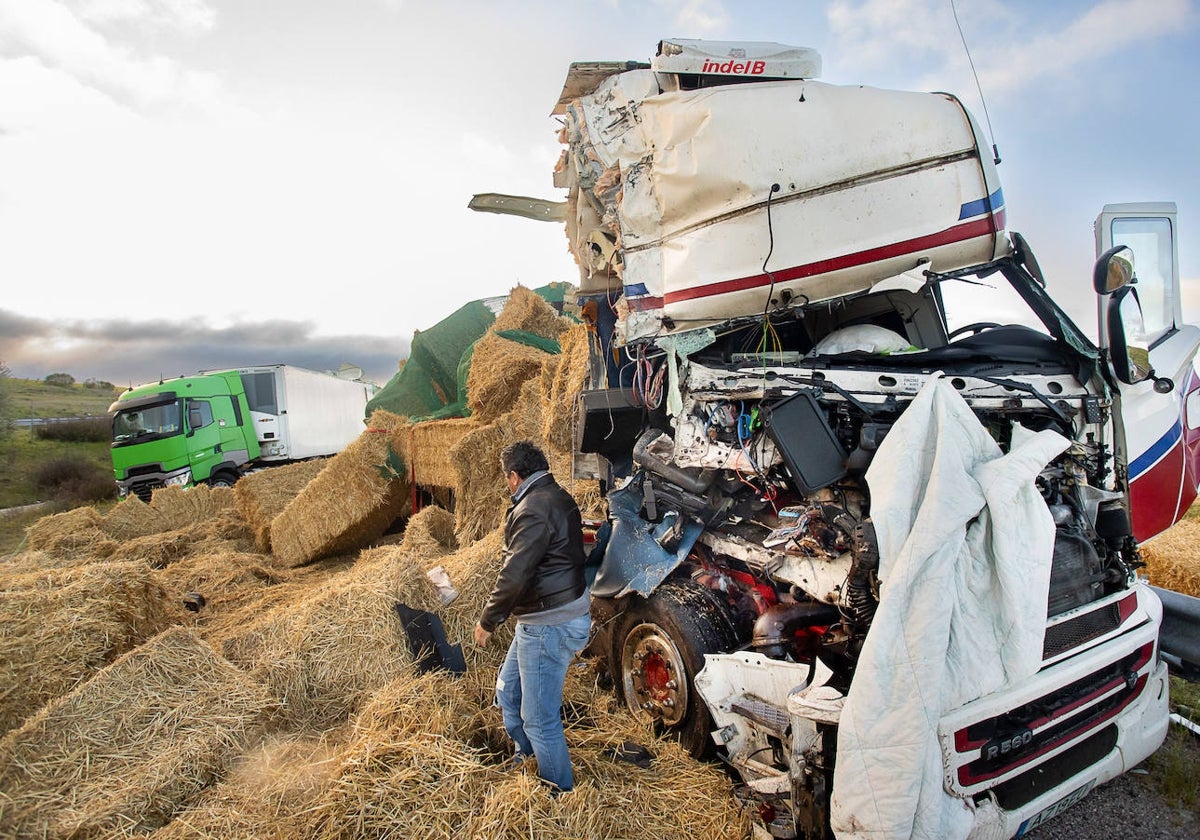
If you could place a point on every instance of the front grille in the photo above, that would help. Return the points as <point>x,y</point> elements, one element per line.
<point>143,469</point>
<point>1068,634</point>
<point>1021,735</point>
<point>144,489</point>
<point>1023,789</point>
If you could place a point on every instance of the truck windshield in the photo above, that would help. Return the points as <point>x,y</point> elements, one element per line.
<point>154,421</point>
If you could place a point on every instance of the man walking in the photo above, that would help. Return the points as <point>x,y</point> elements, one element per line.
<point>542,585</point>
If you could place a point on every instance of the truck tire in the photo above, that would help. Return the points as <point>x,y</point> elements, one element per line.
<point>223,478</point>
<point>658,647</point>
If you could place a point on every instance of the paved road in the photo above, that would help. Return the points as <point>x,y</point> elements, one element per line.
<point>1127,808</point>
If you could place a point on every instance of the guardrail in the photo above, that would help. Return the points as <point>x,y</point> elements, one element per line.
<point>28,422</point>
<point>1179,637</point>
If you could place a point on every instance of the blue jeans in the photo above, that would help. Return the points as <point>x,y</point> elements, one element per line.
<point>529,691</point>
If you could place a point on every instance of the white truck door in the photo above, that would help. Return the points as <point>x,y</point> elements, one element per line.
<point>1162,430</point>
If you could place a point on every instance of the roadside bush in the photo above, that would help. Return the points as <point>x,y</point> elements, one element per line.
<point>63,380</point>
<point>84,430</point>
<point>75,480</point>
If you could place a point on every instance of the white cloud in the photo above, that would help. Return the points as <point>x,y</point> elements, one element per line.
<point>181,15</point>
<point>697,17</point>
<point>64,40</point>
<point>1010,52</point>
<point>1101,31</point>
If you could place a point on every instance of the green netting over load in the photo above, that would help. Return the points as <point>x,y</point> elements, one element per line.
<point>430,379</point>
<point>433,382</point>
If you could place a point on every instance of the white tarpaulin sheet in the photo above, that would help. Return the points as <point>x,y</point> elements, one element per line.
<point>965,552</point>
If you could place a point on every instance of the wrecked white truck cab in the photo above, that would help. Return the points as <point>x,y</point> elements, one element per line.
<point>870,535</point>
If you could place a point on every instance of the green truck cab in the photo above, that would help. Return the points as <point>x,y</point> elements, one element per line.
<point>215,425</point>
<point>186,431</point>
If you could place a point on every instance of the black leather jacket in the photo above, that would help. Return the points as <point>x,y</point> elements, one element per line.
<point>543,555</point>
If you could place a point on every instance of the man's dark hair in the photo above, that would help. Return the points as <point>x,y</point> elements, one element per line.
<point>524,458</point>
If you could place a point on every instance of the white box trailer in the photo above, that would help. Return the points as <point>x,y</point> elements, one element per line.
<point>300,413</point>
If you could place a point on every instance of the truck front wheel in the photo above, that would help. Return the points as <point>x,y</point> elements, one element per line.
<point>223,478</point>
<point>658,648</point>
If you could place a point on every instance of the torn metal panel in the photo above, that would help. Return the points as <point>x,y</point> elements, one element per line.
<point>584,77</point>
<point>538,209</point>
<point>867,184</point>
<point>636,559</point>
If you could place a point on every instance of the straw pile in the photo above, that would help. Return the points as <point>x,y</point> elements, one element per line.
<point>321,656</point>
<point>125,751</point>
<point>428,757</point>
<point>265,797</point>
<point>472,572</point>
<point>361,491</point>
<point>170,508</point>
<point>407,770</point>
<point>1171,560</point>
<point>157,550</point>
<point>58,627</point>
<point>262,495</point>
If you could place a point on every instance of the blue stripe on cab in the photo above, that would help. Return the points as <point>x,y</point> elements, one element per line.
<point>636,290</point>
<point>1160,448</point>
<point>980,206</point>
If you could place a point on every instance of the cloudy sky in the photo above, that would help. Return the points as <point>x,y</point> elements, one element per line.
<point>190,184</point>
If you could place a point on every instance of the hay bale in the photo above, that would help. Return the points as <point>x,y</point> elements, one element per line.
<point>361,491</point>
<point>321,656</point>
<point>262,495</point>
<point>58,527</point>
<point>126,750</point>
<point>426,447</point>
<point>70,538</point>
<point>563,379</point>
<point>180,507</point>
<point>499,367</point>
<point>265,796</point>
<point>482,498</point>
<point>527,311</point>
<point>58,627</point>
<point>1171,560</point>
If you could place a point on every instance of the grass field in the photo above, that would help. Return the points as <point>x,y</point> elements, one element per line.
<point>33,398</point>
<point>21,452</point>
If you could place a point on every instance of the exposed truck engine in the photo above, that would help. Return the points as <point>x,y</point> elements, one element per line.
<point>776,272</point>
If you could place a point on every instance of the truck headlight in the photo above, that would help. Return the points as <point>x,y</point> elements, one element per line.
<point>182,480</point>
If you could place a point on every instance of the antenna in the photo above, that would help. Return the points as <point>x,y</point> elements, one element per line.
<point>978,87</point>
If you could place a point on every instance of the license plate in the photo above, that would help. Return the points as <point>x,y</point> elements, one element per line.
<point>1055,809</point>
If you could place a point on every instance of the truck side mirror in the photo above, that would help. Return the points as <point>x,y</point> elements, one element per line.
<point>1114,270</point>
<point>1127,341</point>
